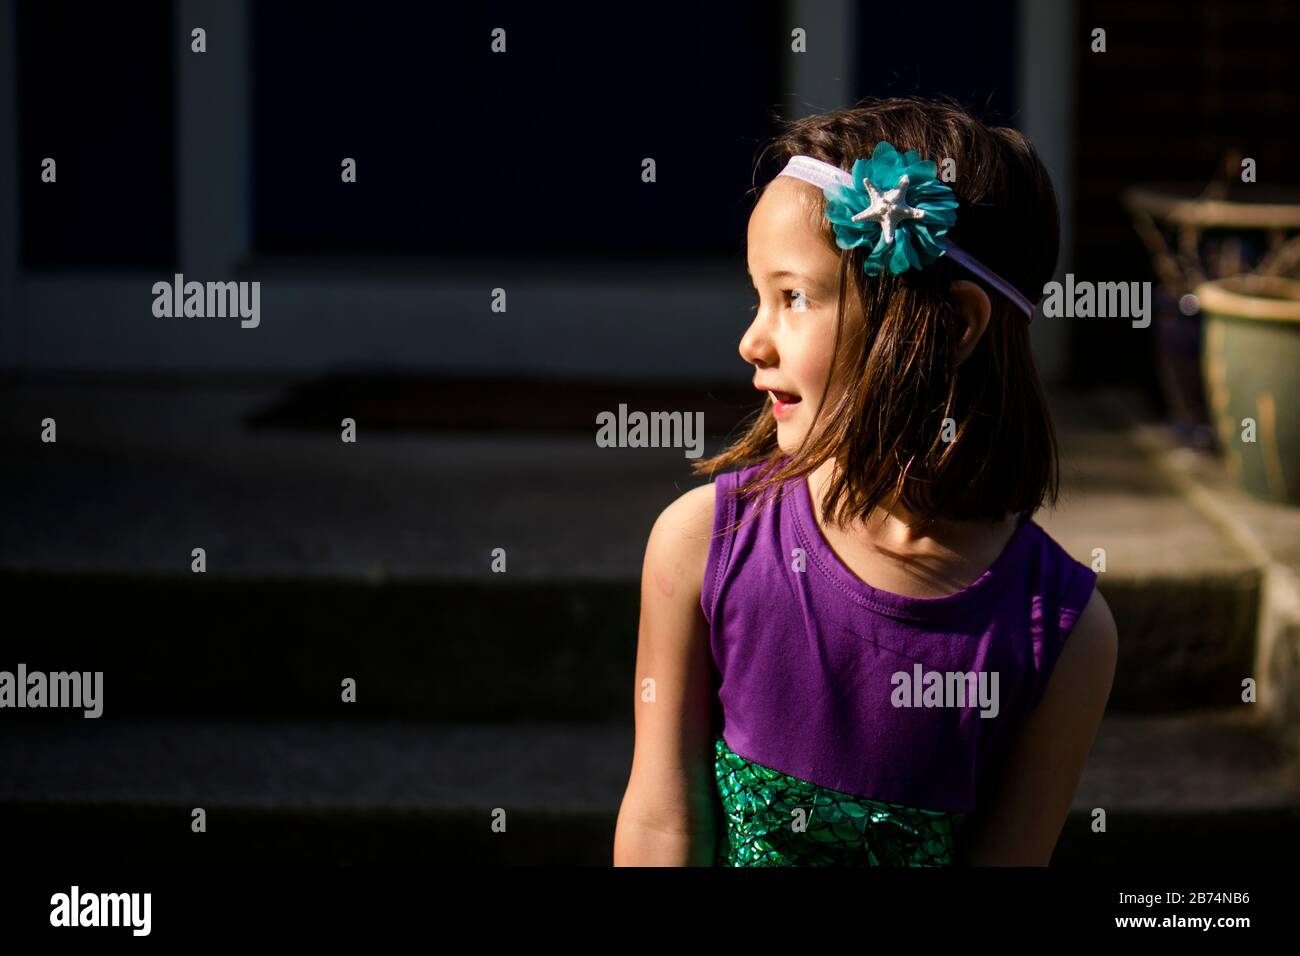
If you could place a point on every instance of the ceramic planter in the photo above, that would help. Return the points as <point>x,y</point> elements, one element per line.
<point>1250,361</point>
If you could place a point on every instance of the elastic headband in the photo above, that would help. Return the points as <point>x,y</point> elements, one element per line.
<point>900,209</point>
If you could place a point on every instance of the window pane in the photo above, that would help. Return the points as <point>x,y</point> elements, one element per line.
<point>537,149</point>
<point>95,95</point>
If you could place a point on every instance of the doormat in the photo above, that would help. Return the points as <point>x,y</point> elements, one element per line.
<point>403,403</point>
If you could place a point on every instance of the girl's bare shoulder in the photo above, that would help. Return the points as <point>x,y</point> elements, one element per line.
<point>678,548</point>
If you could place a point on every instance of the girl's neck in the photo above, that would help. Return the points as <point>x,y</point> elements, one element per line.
<point>936,558</point>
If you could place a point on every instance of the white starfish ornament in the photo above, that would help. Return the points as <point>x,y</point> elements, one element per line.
<point>888,208</point>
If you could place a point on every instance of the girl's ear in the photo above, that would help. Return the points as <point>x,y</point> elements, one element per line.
<point>972,305</point>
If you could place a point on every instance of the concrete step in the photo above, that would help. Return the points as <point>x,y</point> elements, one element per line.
<point>328,560</point>
<point>322,792</point>
<point>470,650</point>
<point>1176,789</point>
<point>196,647</point>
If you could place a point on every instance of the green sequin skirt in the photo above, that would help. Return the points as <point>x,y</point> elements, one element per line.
<point>773,819</point>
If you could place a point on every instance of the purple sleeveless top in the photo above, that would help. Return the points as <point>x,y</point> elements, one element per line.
<point>806,660</point>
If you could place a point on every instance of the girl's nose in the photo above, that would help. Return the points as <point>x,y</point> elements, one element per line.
<point>756,346</point>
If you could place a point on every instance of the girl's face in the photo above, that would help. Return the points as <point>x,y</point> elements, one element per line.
<point>792,337</point>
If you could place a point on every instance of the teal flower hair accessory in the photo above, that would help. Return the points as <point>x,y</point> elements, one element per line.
<point>895,204</point>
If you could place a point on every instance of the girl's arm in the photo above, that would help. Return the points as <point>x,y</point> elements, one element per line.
<point>1024,821</point>
<point>667,815</point>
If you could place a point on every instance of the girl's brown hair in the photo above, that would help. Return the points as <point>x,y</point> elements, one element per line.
<point>885,428</point>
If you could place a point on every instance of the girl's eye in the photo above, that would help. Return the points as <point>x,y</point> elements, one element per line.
<point>794,298</point>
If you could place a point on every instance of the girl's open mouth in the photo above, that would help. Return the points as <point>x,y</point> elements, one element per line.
<point>783,402</point>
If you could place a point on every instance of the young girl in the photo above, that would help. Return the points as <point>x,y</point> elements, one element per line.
<point>862,649</point>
